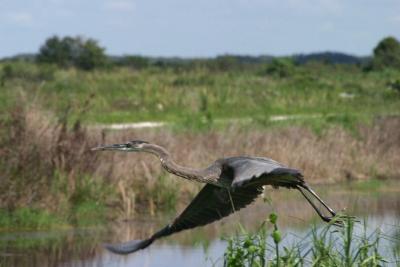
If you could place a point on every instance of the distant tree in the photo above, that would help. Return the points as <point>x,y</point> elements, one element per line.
<point>327,58</point>
<point>53,51</point>
<point>387,54</point>
<point>91,56</point>
<point>72,51</point>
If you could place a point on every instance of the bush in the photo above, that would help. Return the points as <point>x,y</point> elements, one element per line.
<point>282,67</point>
<point>387,54</point>
<point>225,63</point>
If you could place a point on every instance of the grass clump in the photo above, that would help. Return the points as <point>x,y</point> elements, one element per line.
<point>89,213</point>
<point>326,246</point>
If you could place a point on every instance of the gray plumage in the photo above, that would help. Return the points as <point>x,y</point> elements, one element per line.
<point>231,184</point>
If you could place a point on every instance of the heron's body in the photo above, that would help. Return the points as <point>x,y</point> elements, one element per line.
<point>231,184</point>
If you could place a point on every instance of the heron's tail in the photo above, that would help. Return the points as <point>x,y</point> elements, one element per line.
<point>129,247</point>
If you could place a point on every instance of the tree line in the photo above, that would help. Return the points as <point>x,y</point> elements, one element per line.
<point>87,54</point>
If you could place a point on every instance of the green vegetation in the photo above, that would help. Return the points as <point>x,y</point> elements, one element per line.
<point>322,247</point>
<point>387,54</point>
<point>197,92</point>
<point>26,218</point>
<point>158,94</point>
<point>370,186</point>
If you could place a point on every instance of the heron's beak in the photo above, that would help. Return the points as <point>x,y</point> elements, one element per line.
<point>111,147</point>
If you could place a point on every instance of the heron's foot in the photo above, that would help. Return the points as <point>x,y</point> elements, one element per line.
<point>339,219</point>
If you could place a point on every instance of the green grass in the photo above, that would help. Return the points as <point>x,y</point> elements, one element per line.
<point>327,246</point>
<point>372,185</point>
<point>88,213</point>
<point>198,96</point>
<point>28,218</point>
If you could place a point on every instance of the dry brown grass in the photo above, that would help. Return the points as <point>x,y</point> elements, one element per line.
<point>36,148</point>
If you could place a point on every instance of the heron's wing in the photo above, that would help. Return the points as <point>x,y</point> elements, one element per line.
<point>211,204</point>
<point>246,171</point>
<point>251,171</point>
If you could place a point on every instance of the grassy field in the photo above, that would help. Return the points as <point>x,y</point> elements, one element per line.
<point>199,94</point>
<point>46,162</point>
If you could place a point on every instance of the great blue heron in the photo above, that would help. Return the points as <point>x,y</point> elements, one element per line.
<point>231,184</point>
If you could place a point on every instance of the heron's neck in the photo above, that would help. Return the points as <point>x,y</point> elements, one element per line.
<point>203,175</point>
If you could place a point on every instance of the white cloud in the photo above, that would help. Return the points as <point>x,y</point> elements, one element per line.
<point>19,18</point>
<point>120,5</point>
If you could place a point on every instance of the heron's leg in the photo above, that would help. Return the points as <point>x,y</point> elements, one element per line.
<point>306,187</point>
<point>324,218</point>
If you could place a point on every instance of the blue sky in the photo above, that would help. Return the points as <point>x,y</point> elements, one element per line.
<point>203,27</point>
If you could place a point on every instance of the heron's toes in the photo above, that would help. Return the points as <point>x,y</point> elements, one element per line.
<point>337,222</point>
<point>340,219</point>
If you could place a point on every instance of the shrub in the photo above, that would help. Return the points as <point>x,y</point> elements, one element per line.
<point>282,67</point>
<point>387,54</point>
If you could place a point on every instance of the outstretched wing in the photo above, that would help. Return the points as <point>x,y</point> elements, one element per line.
<point>211,204</point>
<point>250,171</point>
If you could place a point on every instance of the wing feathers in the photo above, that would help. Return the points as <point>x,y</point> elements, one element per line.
<point>249,172</point>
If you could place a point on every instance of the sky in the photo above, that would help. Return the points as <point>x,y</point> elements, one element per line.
<point>202,28</point>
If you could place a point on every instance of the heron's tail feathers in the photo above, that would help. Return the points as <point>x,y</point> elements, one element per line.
<point>129,247</point>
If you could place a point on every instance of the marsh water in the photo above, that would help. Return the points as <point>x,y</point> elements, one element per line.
<point>377,202</point>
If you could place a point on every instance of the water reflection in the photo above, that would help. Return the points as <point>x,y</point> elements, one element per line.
<point>203,246</point>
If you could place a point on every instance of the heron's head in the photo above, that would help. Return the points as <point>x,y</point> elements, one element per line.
<point>131,146</point>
